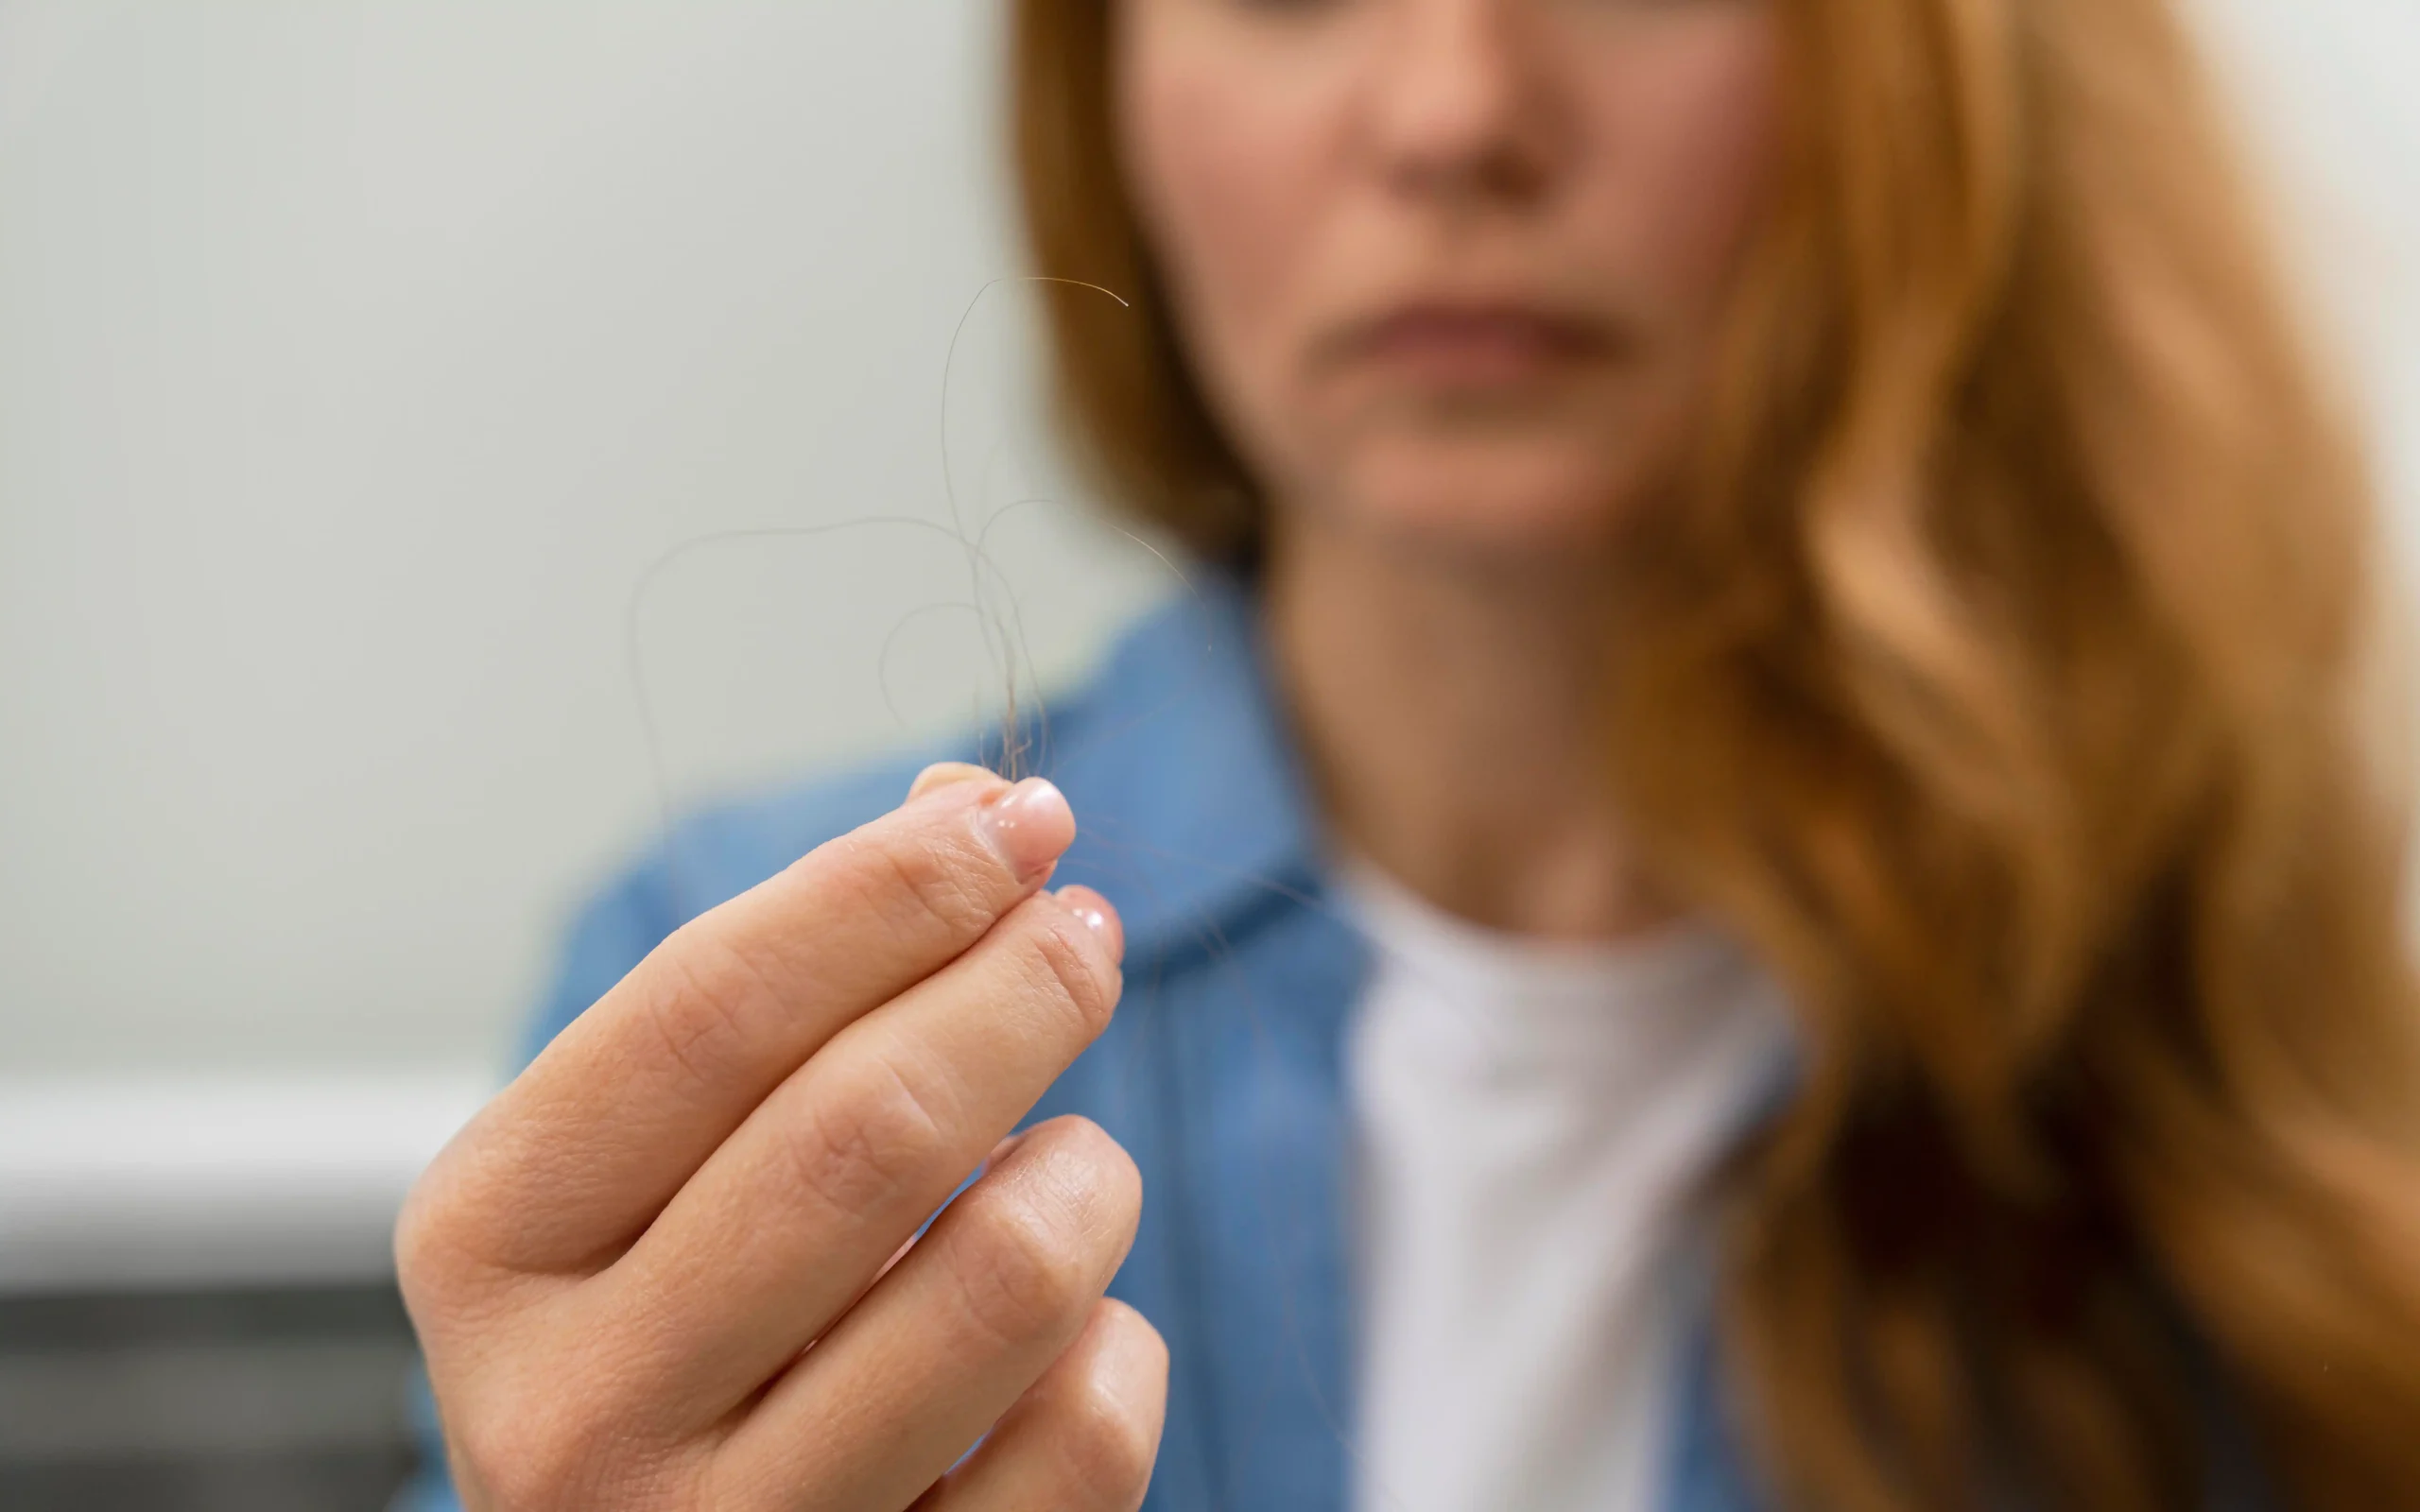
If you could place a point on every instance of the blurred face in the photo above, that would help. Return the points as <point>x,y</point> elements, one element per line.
<point>1450,268</point>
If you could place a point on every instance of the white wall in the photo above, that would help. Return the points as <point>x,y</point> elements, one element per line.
<point>2329,98</point>
<point>356,358</point>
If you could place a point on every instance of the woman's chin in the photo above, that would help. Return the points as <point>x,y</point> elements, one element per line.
<point>1501,504</point>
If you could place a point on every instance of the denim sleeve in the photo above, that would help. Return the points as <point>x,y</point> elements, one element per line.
<point>611,936</point>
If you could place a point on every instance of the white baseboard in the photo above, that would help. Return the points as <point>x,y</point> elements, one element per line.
<point>168,1182</point>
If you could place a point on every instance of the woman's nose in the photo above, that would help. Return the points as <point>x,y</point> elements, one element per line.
<point>1459,101</point>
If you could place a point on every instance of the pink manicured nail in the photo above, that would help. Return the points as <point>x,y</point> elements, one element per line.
<point>942,775</point>
<point>1030,825</point>
<point>1097,915</point>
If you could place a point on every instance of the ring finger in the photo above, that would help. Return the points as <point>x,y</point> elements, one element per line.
<point>950,1339</point>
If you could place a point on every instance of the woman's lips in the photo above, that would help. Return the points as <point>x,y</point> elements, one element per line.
<point>1459,346</point>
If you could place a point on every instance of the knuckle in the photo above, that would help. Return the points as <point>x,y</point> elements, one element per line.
<point>1072,966</point>
<point>1094,1169</point>
<point>1111,1435</point>
<point>551,1418</point>
<point>932,879</point>
<point>525,1448</point>
<point>551,1468</point>
<point>422,1242</point>
<point>864,1148</point>
<point>1109,1447</point>
<point>1027,1269</point>
<point>701,1024</point>
<point>442,1236</point>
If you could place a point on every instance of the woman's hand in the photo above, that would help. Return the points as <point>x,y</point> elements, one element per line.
<point>665,1268</point>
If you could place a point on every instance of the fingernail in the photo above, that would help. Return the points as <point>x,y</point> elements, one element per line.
<point>1030,825</point>
<point>1097,915</point>
<point>945,774</point>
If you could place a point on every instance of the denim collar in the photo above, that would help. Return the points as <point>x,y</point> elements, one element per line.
<point>1188,691</point>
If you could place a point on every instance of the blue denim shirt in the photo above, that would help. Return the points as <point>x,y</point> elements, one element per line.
<point>1221,1073</point>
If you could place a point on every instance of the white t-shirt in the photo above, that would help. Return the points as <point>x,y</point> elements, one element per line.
<point>1531,1121</point>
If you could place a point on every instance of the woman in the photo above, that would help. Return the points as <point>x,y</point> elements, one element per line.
<point>1756,884</point>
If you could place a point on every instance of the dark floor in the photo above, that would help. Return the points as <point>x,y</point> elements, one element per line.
<point>264,1400</point>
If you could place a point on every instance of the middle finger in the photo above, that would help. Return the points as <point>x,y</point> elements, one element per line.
<point>788,1221</point>
<point>954,1335</point>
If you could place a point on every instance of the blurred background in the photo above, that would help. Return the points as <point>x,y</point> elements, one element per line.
<point>394,396</point>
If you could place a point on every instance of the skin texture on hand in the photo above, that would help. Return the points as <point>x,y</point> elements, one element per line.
<point>669,1267</point>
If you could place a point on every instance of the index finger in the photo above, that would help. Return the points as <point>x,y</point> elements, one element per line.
<point>572,1160</point>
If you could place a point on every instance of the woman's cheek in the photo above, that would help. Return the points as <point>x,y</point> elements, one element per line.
<point>1224,177</point>
<point>1701,132</point>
